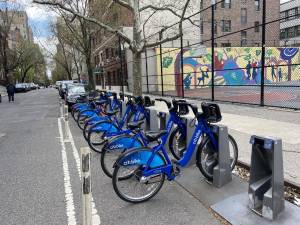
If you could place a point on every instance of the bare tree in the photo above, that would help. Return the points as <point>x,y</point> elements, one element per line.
<point>138,41</point>
<point>9,58</point>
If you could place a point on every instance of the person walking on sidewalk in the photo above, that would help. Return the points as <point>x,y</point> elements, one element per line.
<point>11,92</point>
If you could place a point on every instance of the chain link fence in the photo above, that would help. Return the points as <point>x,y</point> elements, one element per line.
<point>243,51</point>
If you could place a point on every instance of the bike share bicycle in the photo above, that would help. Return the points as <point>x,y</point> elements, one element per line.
<point>100,112</point>
<point>143,170</point>
<point>100,132</point>
<point>113,148</point>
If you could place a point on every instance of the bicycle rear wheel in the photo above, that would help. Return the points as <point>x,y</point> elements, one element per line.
<point>128,180</point>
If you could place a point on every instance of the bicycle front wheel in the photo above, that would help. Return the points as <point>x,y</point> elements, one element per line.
<point>128,180</point>
<point>207,158</point>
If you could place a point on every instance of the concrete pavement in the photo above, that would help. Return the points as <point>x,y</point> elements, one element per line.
<point>244,121</point>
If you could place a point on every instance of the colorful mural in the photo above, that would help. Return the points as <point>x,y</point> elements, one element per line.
<point>233,66</point>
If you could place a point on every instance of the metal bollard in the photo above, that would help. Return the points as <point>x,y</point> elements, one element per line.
<point>85,154</point>
<point>66,117</point>
<point>266,185</point>
<point>222,172</point>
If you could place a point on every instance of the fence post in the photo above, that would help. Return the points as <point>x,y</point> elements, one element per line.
<point>212,51</point>
<point>147,72</point>
<point>161,64</point>
<point>182,65</point>
<point>85,154</point>
<point>263,54</point>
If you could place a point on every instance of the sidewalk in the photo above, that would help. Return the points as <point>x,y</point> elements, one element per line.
<point>244,121</point>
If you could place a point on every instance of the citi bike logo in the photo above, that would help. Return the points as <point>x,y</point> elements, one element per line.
<point>116,146</point>
<point>131,162</point>
<point>196,138</point>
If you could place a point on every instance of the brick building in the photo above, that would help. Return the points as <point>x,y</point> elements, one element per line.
<point>290,23</point>
<point>108,69</point>
<point>233,17</point>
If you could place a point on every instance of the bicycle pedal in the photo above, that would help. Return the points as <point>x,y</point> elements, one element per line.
<point>176,170</point>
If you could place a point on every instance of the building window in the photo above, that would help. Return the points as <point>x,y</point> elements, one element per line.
<point>226,4</point>
<point>112,52</point>
<point>201,27</point>
<point>215,27</point>
<point>283,34</point>
<point>292,13</point>
<point>257,5</point>
<point>297,31</point>
<point>291,32</point>
<point>226,25</point>
<point>256,24</point>
<point>106,53</point>
<point>244,42</point>
<point>244,38</point>
<point>243,15</point>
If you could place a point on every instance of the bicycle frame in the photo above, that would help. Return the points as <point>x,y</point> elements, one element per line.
<point>201,128</point>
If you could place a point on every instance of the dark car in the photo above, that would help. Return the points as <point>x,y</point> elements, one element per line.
<point>75,93</point>
<point>20,87</point>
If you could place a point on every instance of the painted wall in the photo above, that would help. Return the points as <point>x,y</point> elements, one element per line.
<point>233,66</point>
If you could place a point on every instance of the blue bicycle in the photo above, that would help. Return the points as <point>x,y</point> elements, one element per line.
<point>91,118</point>
<point>116,146</point>
<point>102,131</point>
<point>140,173</point>
<point>99,112</point>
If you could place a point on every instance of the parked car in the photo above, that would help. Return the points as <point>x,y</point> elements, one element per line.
<point>20,87</point>
<point>63,86</point>
<point>75,92</point>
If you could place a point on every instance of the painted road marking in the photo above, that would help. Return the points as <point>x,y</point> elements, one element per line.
<point>70,208</point>
<point>95,216</point>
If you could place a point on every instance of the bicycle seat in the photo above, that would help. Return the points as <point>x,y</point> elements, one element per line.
<point>101,102</point>
<point>135,125</point>
<point>155,135</point>
<point>112,113</point>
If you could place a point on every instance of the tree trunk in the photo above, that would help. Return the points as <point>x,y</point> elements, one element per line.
<point>92,85</point>
<point>137,74</point>
<point>136,53</point>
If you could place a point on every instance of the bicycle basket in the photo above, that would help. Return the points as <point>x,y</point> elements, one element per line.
<point>211,112</point>
<point>148,102</point>
<point>138,100</point>
<point>183,109</point>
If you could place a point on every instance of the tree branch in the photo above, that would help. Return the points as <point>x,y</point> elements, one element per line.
<point>124,4</point>
<point>92,20</point>
<point>167,39</point>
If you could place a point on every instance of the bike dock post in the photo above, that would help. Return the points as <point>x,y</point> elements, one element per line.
<point>154,120</point>
<point>222,172</point>
<point>266,185</point>
<point>85,154</point>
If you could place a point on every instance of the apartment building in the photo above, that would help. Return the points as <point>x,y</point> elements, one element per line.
<point>237,23</point>
<point>19,29</point>
<point>290,23</point>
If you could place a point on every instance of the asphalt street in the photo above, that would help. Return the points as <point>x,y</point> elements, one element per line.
<point>40,180</point>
